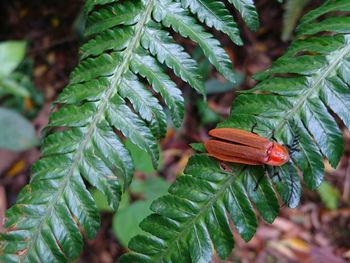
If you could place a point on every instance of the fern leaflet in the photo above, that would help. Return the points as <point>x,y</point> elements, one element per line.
<point>128,42</point>
<point>295,97</point>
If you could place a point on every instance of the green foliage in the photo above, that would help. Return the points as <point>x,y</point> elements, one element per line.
<point>11,55</point>
<point>329,195</point>
<point>297,97</point>
<point>16,133</point>
<point>128,43</point>
<point>292,12</point>
<point>126,221</point>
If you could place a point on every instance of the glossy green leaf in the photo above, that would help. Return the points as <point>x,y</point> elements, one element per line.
<point>173,55</point>
<point>196,211</point>
<point>171,14</point>
<point>105,103</point>
<point>214,14</point>
<point>248,12</point>
<point>295,103</point>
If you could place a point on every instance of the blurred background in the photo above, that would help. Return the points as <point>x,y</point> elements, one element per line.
<point>39,43</point>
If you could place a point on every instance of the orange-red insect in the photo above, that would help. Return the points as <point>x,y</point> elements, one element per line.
<point>239,146</point>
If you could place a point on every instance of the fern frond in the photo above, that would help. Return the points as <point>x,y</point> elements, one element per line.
<point>214,14</point>
<point>248,12</point>
<point>173,15</point>
<point>292,12</point>
<point>106,94</point>
<point>296,98</point>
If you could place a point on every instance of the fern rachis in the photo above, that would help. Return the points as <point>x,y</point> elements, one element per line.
<point>296,96</point>
<point>106,93</point>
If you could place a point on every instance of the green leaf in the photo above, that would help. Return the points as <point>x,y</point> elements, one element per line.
<point>145,104</point>
<point>215,86</point>
<point>248,12</point>
<point>296,103</point>
<point>122,118</point>
<point>11,54</point>
<point>173,15</point>
<point>199,147</point>
<point>13,87</point>
<point>148,67</point>
<point>207,115</point>
<point>117,39</point>
<point>128,13</point>
<point>161,45</point>
<point>196,211</point>
<point>293,9</point>
<point>102,202</point>
<point>214,14</point>
<point>151,188</point>
<point>105,103</point>
<point>91,3</point>
<point>16,133</point>
<point>142,160</point>
<point>329,195</point>
<point>126,221</point>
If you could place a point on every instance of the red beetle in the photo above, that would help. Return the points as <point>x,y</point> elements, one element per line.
<point>239,146</point>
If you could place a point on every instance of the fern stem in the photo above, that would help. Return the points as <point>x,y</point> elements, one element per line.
<point>115,81</point>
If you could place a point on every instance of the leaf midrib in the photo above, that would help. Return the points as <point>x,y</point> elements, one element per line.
<point>116,79</point>
<point>178,63</point>
<point>188,226</point>
<point>179,19</point>
<point>205,5</point>
<point>321,76</point>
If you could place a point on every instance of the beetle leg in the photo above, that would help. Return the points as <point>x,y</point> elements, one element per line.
<point>273,135</point>
<point>253,128</point>
<point>260,178</point>
<point>276,173</point>
<point>258,182</point>
<point>294,146</point>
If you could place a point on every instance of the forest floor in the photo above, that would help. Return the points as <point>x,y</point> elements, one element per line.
<point>310,233</point>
